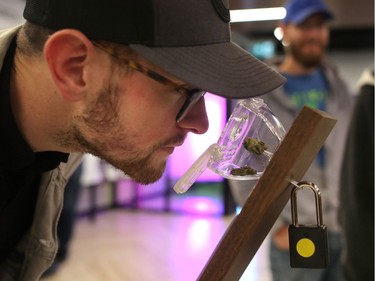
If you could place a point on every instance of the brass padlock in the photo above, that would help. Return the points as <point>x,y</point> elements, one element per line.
<point>308,244</point>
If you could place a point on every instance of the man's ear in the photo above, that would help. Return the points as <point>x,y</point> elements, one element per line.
<point>67,53</point>
<point>284,32</point>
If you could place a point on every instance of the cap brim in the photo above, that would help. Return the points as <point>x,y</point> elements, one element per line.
<point>223,69</point>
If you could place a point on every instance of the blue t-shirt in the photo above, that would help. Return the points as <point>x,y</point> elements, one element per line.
<point>310,90</point>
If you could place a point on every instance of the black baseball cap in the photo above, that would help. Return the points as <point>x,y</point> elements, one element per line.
<point>190,39</point>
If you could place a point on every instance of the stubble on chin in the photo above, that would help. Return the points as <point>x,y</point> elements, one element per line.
<point>307,61</point>
<point>139,164</point>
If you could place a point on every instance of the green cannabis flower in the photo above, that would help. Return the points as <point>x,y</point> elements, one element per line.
<point>254,145</point>
<point>243,171</point>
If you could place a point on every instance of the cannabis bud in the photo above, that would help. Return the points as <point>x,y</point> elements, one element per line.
<point>243,171</point>
<point>254,145</point>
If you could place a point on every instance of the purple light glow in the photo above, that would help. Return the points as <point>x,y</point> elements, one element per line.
<point>198,235</point>
<point>198,205</point>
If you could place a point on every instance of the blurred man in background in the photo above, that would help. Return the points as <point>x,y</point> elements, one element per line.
<point>315,82</point>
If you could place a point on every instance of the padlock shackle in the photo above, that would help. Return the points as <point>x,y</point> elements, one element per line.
<point>318,201</point>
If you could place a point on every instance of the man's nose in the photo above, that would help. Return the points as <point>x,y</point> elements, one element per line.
<point>196,120</point>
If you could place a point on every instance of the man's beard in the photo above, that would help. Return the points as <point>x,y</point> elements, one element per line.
<point>98,131</point>
<point>307,60</point>
<point>138,166</point>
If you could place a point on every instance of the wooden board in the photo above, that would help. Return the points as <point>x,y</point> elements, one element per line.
<point>270,195</point>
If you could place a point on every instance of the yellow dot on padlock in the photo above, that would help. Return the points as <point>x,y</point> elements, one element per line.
<point>305,247</point>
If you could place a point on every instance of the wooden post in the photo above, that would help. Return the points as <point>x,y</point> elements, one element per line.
<point>270,195</point>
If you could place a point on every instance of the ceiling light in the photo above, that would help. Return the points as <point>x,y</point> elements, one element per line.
<point>264,14</point>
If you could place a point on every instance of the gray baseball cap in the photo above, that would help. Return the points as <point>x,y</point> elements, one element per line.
<point>190,39</point>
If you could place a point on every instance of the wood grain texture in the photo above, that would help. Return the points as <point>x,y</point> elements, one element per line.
<point>248,230</point>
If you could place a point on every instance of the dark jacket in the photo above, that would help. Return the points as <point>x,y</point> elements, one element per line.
<point>357,187</point>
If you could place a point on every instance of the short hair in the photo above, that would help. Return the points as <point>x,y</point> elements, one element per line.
<point>31,39</point>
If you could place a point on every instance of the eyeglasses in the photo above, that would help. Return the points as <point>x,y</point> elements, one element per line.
<point>193,95</point>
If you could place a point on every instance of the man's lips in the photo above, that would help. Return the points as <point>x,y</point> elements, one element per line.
<point>167,149</point>
<point>176,142</point>
<point>170,147</point>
